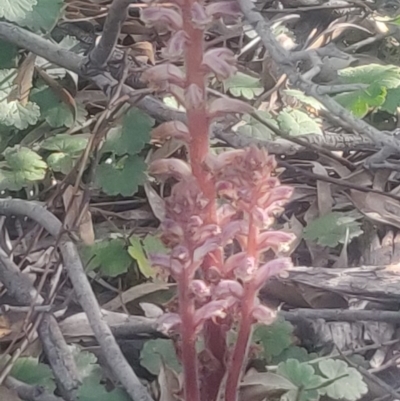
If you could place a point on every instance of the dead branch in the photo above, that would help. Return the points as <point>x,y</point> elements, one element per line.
<point>83,291</point>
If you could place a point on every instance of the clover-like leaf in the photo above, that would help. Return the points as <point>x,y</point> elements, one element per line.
<point>122,176</point>
<point>14,10</point>
<point>28,370</point>
<point>362,101</point>
<point>139,250</point>
<point>255,129</point>
<point>8,53</point>
<point>67,149</point>
<point>297,122</point>
<point>43,15</point>
<point>244,85</point>
<point>86,363</point>
<point>90,374</point>
<point>20,116</point>
<point>132,136</point>
<point>303,376</point>
<point>22,167</point>
<point>307,100</point>
<point>293,352</point>
<point>13,113</point>
<point>155,351</point>
<point>109,256</point>
<point>347,383</point>
<point>274,338</point>
<point>387,76</point>
<point>54,111</point>
<point>331,229</point>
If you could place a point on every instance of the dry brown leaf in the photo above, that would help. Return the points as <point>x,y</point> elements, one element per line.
<point>144,49</point>
<point>156,203</point>
<point>135,292</point>
<point>377,207</point>
<point>167,149</point>
<point>168,382</point>
<point>324,196</point>
<point>77,326</point>
<point>23,80</point>
<point>8,395</point>
<point>259,386</point>
<point>5,328</point>
<point>73,206</point>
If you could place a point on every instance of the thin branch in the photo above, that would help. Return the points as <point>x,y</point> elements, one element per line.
<point>116,16</point>
<point>83,291</point>
<point>75,63</point>
<point>40,46</point>
<point>54,345</point>
<point>17,283</point>
<point>284,59</point>
<point>30,393</point>
<point>341,315</point>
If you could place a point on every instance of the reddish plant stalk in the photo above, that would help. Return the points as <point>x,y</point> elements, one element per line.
<point>199,126</point>
<point>188,335</point>
<point>240,352</point>
<point>197,228</point>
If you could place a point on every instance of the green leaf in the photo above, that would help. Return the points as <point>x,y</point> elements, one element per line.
<point>243,85</point>
<point>392,101</point>
<point>360,102</point>
<point>30,371</point>
<point>67,149</point>
<point>155,351</point>
<point>44,15</point>
<point>131,138</point>
<point>274,338</point>
<point>13,113</point>
<point>387,76</point>
<point>86,364</point>
<point>109,256</point>
<point>121,177</point>
<point>90,373</point>
<point>330,229</point>
<point>296,122</point>
<point>350,387</point>
<point>91,390</point>
<point>293,352</point>
<point>14,10</point>
<point>137,253</point>
<point>54,111</point>
<point>139,250</point>
<point>255,128</point>
<point>303,376</point>
<point>9,54</point>
<point>308,100</point>
<point>22,167</point>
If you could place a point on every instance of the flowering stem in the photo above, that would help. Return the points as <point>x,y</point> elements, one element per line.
<point>243,340</point>
<point>199,126</point>
<point>188,335</point>
<point>241,347</point>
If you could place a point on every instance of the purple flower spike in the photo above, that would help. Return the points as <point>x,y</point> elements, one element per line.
<point>160,15</point>
<point>221,62</point>
<point>220,9</point>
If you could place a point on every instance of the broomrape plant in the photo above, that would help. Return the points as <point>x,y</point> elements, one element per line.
<point>220,202</point>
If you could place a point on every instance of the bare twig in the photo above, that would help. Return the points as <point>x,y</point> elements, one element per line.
<point>56,349</point>
<point>102,53</point>
<point>30,393</point>
<point>84,293</point>
<point>285,61</point>
<point>341,315</point>
<point>74,62</point>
